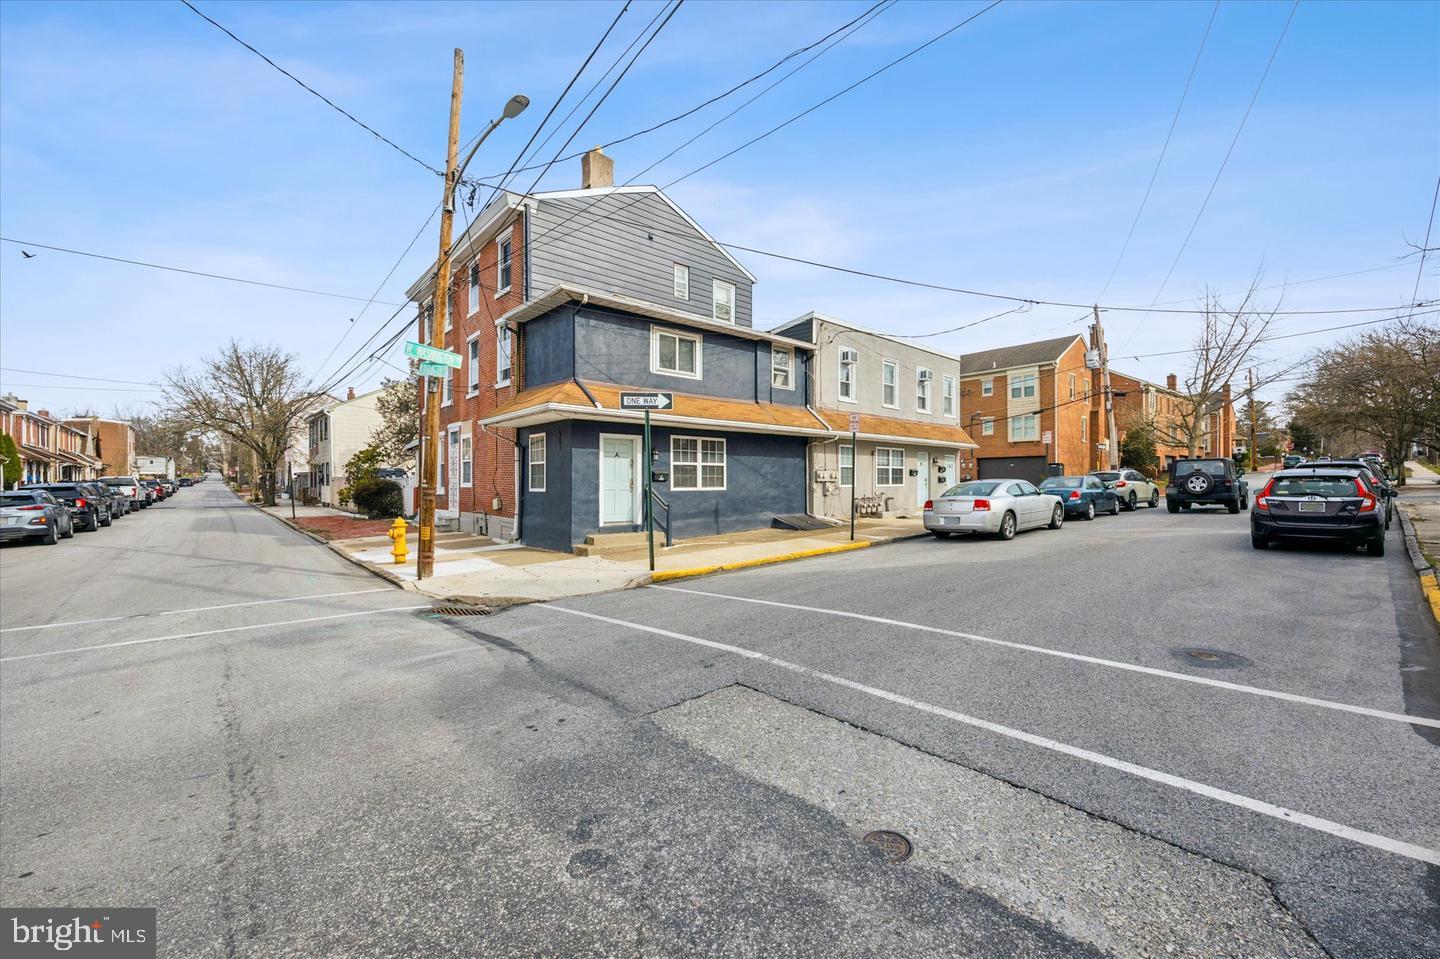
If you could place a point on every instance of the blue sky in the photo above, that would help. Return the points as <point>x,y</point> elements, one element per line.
<point>1010,156</point>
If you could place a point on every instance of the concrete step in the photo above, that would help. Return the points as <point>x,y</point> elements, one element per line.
<point>598,544</point>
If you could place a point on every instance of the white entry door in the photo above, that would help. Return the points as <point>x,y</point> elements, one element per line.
<point>619,482</point>
<point>922,477</point>
<point>452,474</point>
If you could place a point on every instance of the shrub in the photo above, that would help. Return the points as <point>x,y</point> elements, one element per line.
<point>379,498</point>
<point>343,494</point>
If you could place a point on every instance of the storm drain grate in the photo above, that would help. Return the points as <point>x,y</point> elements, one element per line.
<point>895,846</point>
<point>1211,658</point>
<point>461,611</point>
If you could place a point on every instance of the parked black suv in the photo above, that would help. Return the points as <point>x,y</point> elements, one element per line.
<point>87,511</point>
<point>1206,482</point>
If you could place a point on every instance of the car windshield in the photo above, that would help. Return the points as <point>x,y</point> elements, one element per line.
<point>1314,486</point>
<point>1213,467</point>
<point>1107,477</point>
<point>975,488</point>
<point>1063,482</point>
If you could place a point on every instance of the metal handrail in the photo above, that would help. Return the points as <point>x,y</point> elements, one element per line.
<point>666,507</point>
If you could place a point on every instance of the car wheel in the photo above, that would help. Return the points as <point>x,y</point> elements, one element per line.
<point>1089,513</point>
<point>1115,507</point>
<point>69,531</point>
<point>92,525</point>
<point>1131,502</point>
<point>1233,506</point>
<point>109,518</point>
<point>1155,499</point>
<point>1376,547</point>
<point>1057,518</point>
<point>1007,526</point>
<point>1259,542</point>
<point>51,537</point>
<point>1171,505</point>
<point>940,533</point>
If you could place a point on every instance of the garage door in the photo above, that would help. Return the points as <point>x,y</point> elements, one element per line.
<point>1030,468</point>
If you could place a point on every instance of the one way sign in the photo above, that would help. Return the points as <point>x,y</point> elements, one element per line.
<point>646,401</point>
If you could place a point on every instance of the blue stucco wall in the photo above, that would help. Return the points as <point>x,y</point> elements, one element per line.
<point>765,475</point>
<point>549,353</point>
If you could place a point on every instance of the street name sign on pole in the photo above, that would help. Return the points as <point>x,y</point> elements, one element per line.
<point>433,354</point>
<point>647,401</point>
<point>435,369</point>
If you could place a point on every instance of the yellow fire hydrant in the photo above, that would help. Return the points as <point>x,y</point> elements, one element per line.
<point>397,538</point>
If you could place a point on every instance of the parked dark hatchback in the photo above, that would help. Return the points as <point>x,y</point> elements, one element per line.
<point>1377,479</point>
<point>1206,482</point>
<point>1321,502</point>
<point>88,510</point>
<point>1082,496</point>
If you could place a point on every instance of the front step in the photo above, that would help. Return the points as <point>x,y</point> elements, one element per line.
<point>598,544</point>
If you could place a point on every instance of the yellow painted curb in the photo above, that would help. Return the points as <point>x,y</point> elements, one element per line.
<point>669,574</point>
<point>1432,593</point>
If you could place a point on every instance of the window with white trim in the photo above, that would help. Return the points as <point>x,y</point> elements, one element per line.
<point>447,387</point>
<point>473,372</point>
<point>1022,386</point>
<point>987,386</point>
<point>924,383</point>
<point>847,466</point>
<point>536,460</point>
<point>503,257</point>
<point>1072,386</point>
<point>1024,428</point>
<point>697,463</point>
<point>987,426</point>
<point>890,384</point>
<point>474,286</point>
<point>1084,428</point>
<point>849,359</point>
<point>948,397</point>
<point>674,354</point>
<point>467,463</point>
<point>682,281</point>
<point>502,354</point>
<point>1150,400</point>
<point>427,315</point>
<point>782,367</point>
<point>722,301</point>
<point>889,466</point>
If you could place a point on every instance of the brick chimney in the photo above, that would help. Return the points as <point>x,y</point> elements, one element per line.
<point>1170,382</point>
<point>45,413</point>
<point>349,392</point>
<point>596,170</point>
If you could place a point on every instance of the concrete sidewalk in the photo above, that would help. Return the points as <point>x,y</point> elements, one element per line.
<point>477,568</point>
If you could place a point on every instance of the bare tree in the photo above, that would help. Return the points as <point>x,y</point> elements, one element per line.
<point>399,408</point>
<point>1228,340</point>
<point>255,396</point>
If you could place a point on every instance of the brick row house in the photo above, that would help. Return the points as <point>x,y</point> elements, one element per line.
<point>50,450</point>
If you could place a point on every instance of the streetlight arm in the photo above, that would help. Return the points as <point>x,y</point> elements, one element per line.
<point>460,171</point>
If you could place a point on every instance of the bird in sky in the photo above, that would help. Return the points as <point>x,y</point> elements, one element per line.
<point>27,254</point>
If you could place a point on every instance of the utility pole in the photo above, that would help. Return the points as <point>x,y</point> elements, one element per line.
<point>425,557</point>
<point>1251,404</point>
<point>1112,444</point>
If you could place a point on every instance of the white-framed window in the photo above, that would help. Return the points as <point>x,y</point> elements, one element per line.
<point>890,384</point>
<point>427,316</point>
<point>474,286</point>
<point>1150,400</point>
<point>472,381</point>
<point>1084,428</point>
<point>924,383</point>
<point>947,397</point>
<point>987,386</point>
<point>782,367</point>
<point>987,426</point>
<point>849,360</point>
<point>889,466</point>
<point>847,466</point>
<point>1072,386</point>
<point>697,463</point>
<point>502,354</point>
<point>467,463</point>
<point>503,263</point>
<point>1024,428</point>
<point>682,281</point>
<point>1022,386</point>
<point>536,460</point>
<point>447,387</point>
<point>722,301</point>
<point>674,353</point>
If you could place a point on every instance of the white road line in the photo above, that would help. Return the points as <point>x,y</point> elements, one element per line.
<point>1078,657</point>
<point>1397,846</point>
<point>197,609</point>
<point>208,632</point>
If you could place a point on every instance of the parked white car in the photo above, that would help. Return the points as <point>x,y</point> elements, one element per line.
<point>1003,507</point>
<point>1130,487</point>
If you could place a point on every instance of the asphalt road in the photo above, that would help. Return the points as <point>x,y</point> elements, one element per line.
<point>286,759</point>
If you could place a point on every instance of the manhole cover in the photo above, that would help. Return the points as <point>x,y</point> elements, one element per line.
<point>895,846</point>
<point>461,611</point>
<point>1211,658</point>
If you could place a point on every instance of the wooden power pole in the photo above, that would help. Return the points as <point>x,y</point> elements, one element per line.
<point>1112,445</point>
<point>430,443</point>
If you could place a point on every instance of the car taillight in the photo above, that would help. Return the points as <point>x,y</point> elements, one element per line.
<point>31,508</point>
<point>1261,502</point>
<point>981,505</point>
<point>1120,483</point>
<point>929,504</point>
<point>80,503</point>
<point>1074,494</point>
<point>1367,502</point>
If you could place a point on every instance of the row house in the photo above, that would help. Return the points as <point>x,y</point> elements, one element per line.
<point>49,449</point>
<point>335,433</point>
<point>908,446</point>
<point>111,441</point>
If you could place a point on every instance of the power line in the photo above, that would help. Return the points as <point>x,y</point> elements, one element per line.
<point>1223,163</point>
<point>178,269</point>
<point>103,389</point>
<point>1283,336</point>
<point>1425,247</point>
<point>316,93</point>
<point>74,376</point>
<point>1163,150</point>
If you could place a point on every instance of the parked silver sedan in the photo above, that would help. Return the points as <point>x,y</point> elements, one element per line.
<point>1003,507</point>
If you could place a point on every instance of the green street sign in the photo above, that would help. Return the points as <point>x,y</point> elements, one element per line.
<point>420,351</point>
<point>434,369</point>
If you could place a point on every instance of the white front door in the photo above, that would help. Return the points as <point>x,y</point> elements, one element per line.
<point>452,473</point>
<point>619,482</point>
<point>922,477</point>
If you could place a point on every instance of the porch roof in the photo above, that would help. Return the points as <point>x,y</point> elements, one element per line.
<point>569,400</point>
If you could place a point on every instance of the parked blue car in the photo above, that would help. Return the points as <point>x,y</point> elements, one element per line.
<point>1083,496</point>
